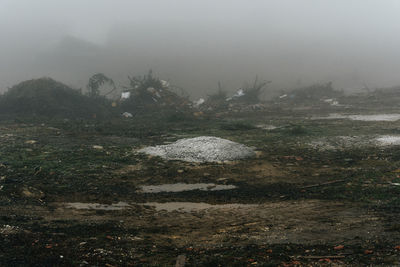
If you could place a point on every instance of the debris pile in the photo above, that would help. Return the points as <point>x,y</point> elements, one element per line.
<point>216,101</point>
<point>244,99</point>
<point>149,93</point>
<point>201,149</point>
<point>317,94</point>
<point>47,97</point>
<point>250,93</point>
<point>374,98</point>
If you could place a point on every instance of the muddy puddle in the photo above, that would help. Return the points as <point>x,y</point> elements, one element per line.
<point>181,187</point>
<point>167,206</point>
<point>193,206</point>
<point>359,117</point>
<point>97,206</point>
<point>267,127</point>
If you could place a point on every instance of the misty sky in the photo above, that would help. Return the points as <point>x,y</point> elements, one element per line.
<point>195,44</point>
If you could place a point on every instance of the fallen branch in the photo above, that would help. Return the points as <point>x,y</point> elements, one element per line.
<point>322,184</point>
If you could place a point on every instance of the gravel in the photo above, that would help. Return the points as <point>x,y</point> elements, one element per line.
<point>201,149</point>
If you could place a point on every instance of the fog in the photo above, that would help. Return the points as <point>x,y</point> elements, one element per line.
<point>195,44</point>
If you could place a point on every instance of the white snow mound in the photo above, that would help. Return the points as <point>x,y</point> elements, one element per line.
<point>201,149</point>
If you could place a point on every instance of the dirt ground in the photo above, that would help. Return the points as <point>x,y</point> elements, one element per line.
<point>70,193</point>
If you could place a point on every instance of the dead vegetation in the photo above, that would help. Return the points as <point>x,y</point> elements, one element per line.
<point>316,94</point>
<point>96,82</point>
<point>216,101</point>
<point>251,92</point>
<point>152,95</point>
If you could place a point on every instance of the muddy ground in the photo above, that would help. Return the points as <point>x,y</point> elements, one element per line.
<point>319,192</point>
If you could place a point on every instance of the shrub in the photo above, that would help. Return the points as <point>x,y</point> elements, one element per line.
<point>49,98</point>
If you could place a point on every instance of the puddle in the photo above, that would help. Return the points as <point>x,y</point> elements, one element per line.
<point>375,117</point>
<point>168,206</point>
<point>388,140</point>
<point>181,187</point>
<point>193,206</point>
<point>97,206</point>
<point>378,117</point>
<point>267,127</point>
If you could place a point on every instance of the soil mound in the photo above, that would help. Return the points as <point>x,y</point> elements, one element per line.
<point>201,149</point>
<point>47,97</point>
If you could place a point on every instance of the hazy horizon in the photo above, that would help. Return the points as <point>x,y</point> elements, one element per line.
<point>195,44</point>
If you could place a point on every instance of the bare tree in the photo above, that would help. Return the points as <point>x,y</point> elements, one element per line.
<point>96,81</point>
